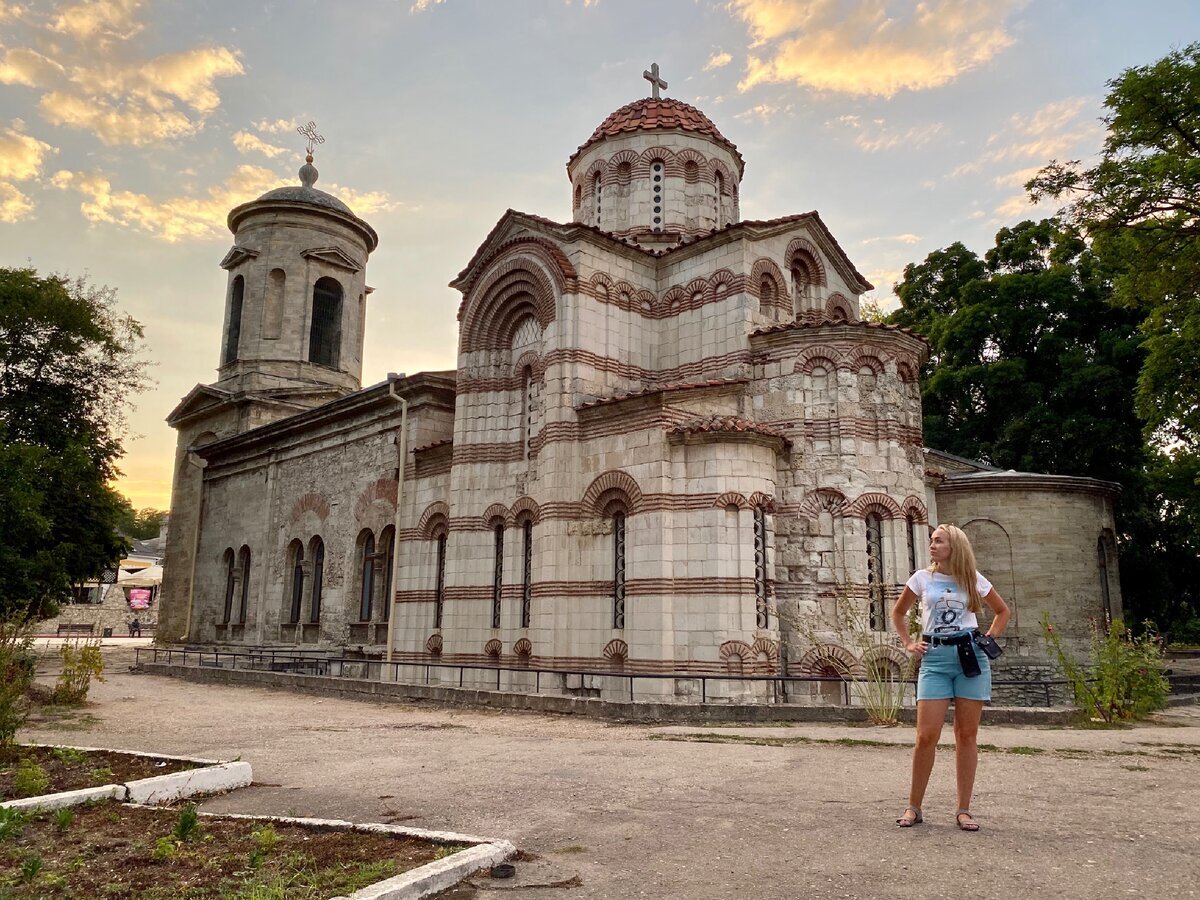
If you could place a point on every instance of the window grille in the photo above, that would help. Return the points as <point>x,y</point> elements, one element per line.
<point>367,579</point>
<point>526,572</point>
<point>233,333</point>
<point>760,567</point>
<point>245,600</point>
<point>619,570</point>
<point>439,589</point>
<point>317,582</point>
<point>877,613</point>
<point>498,576</point>
<point>325,333</point>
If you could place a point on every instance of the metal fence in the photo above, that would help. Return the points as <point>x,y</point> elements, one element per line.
<point>315,662</point>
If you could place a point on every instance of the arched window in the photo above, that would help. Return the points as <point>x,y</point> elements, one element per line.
<point>297,581</point>
<point>388,541</point>
<point>910,528</point>
<point>578,196</point>
<point>233,333</point>
<point>719,200</point>
<point>230,585</point>
<point>658,177</point>
<point>526,571</point>
<point>805,275</point>
<point>618,588</point>
<point>528,409</point>
<point>366,587</point>
<point>760,567</point>
<point>439,586</point>
<point>244,565</point>
<point>1103,547</point>
<point>318,579</point>
<point>596,196</point>
<point>877,612</point>
<point>768,296</point>
<point>325,333</point>
<point>497,575</point>
<point>273,308</point>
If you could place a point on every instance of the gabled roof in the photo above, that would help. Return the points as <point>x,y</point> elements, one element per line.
<point>199,399</point>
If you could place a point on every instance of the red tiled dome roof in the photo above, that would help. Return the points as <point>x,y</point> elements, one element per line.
<point>650,114</point>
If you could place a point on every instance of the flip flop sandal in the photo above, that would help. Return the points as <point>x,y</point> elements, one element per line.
<point>910,817</point>
<point>970,824</point>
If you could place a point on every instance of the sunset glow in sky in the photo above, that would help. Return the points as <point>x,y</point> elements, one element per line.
<point>128,129</point>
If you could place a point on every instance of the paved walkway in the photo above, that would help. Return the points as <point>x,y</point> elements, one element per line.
<point>642,811</point>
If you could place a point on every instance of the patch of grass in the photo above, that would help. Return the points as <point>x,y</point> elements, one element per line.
<point>164,850</point>
<point>188,825</point>
<point>12,823</point>
<point>102,774</point>
<point>31,779</point>
<point>63,818</point>
<point>1026,751</point>
<point>31,867</point>
<point>265,838</point>
<point>448,850</point>
<point>70,755</point>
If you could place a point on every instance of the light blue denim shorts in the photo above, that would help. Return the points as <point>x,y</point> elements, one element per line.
<point>941,676</point>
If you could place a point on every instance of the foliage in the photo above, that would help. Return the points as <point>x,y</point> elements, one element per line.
<point>31,779</point>
<point>68,363</point>
<point>17,663</point>
<point>12,823</point>
<point>265,838</point>
<point>70,755</point>
<point>1033,367</point>
<point>188,825</point>
<point>64,817</point>
<point>1140,203</point>
<point>1125,682</point>
<point>140,524</point>
<point>81,662</point>
<point>31,867</point>
<point>1187,634</point>
<point>164,850</point>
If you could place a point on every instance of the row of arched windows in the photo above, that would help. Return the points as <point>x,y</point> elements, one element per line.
<point>237,586</point>
<point>325,329</point>
<point>658,178</point>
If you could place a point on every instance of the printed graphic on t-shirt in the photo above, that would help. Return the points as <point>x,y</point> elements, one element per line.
<point>947,604</point>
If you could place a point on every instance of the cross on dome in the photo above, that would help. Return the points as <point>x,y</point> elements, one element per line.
<point>310,131</point>
<point>651,75</point>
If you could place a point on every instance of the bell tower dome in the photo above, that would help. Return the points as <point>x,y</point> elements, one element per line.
<point>295,305</point>
<point>656,171</point>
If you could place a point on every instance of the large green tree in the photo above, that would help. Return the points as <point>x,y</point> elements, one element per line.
<point>1033,367</point>
<point>69,361</point>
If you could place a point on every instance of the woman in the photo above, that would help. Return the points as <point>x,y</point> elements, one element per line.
<point>951,594</point>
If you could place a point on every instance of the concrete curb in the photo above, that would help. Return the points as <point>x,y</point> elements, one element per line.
<point>645,712</point>
<point>423,881</point>
<point>210,776</point>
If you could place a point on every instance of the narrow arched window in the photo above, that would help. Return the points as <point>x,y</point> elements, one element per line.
<point>658,179</point>
<point>388,540</point>
<point>1105,588</point>
<point>767,296</point>
<point>618,586</point>
<point>297,583</point>
<point>596,196</point>
<point>243,609</point>
<point>366,587</point>
<point>760,567</point>
<point>910,527</point>
<point>230,586</point>
<point>877,613</point>
<point>719,200</point>
<point>439,585</point>
<point>233,333</point>
<point>497,575</point>
<point>318,579</point>
<point>325,332</point>
<point>528,406</point>
<point>526,571</point>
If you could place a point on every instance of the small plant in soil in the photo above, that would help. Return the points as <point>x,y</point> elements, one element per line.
<point>447,850</point>
<point>31,866</point>
<point>69,755</point>
<point>12,823</point>
<point>63,818</point>
<point>188,825</point>
<point>31,779</point>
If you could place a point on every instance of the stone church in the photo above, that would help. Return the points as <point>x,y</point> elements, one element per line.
<point>670,445</point>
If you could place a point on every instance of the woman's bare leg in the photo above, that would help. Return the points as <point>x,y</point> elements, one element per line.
<point>931,716</point>
<point>966,747</point>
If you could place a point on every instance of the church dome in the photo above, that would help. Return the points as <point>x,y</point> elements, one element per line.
<point>658,114</point>
<point>296,193</point>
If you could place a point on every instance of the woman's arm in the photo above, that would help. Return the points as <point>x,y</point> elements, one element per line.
<point>900,622</point>
<point>1000,608</point>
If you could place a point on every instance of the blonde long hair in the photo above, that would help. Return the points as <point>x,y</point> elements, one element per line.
<point>961,565</point>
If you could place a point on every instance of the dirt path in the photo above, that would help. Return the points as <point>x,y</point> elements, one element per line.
<point>639,811</point>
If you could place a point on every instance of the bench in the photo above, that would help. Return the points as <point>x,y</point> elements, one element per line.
<point>76,628</point>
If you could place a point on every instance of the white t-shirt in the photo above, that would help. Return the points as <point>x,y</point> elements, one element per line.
<point>943,603</point>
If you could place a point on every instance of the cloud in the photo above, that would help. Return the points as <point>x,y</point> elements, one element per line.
<point>28,68</point>
<point>869,46</point>
<point>876,135</point>
<point>763,112</point>
<point>717,60</point>
<point>14,206</point>
<point>1058,129</point>
<point>1014,206</point>
<point>21,156</point>
<point>422,5</point>
<point>250,143</point>
<point>10,11</point>
<point>99,19</point>
<point>899,238</point>
<point>276,126</point>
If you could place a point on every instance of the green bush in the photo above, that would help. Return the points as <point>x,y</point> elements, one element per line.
<point>17,662</point>
<point>80,664</point>
<point>1187,634</point>
<point>1125,679</point>
<point>31,779</point>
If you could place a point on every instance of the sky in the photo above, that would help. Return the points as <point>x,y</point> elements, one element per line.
<point>129,128</point>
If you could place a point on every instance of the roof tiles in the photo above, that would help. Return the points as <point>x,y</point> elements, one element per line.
<point>649,114</point>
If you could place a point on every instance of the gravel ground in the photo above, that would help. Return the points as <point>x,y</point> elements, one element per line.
<point>644,811</point>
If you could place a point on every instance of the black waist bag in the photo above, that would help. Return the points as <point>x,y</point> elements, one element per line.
<point>988,645</point>
<point>966,657</point>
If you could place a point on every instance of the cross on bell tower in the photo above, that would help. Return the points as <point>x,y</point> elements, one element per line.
<point>651,75</point>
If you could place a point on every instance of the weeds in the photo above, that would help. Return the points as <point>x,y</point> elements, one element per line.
<point>63,818</point>
<point>31,779</point>
<point>164,850</point>
<point>17,663</point>
<point>448,850</point>
<point>31,867</point>
<point>70,755</point>
<point>188,825</point>
<point>12,823</point>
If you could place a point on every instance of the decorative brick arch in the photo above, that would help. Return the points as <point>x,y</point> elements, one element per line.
<point>874,501</point>
<point>650,154</point>
<point>893,655</point>
<point>675,298</point>
<point>612,485</point>
<point>434,644</point>
<point>766,647</point>
<point>531,360</point>
<point>696,286</point>
<point>435,519</point>
<point>829,500</point>
<point>644,301</point>
<point>805,251</point>
<point>721,283</point>
<point>740,649</point>
<point>523,649</point>
<point>865,356</point>
<point>513,290</point>
<point>688,155</point>
<point>827,656</point>
<point>312,502</point>
<point>493,648</point>
<point>767,269</point>
<point>616,161</point>
<point>496,514</point>
<point>526,508</point>
<point>758,498</point>
<point>839,308</point>
<point>716,167</point>
<point>616,650</point>
<point>598,166</point>
<point>907,370</point>
<point>914,507</point>
<point>731,498</point>
<point>382,490</point>
<point>817,356</point>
